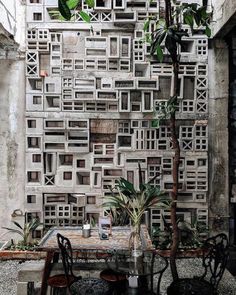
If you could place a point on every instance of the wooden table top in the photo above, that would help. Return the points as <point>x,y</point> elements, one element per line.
<point>118,240</point>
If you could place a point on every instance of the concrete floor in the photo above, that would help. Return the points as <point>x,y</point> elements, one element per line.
<point>231,265</point>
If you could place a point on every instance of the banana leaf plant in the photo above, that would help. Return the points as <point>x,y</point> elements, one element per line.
<point>25,232</point>
<point>168,35</point>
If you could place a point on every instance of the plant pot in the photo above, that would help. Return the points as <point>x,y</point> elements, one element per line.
<point>189,253</point>
<point>21,255</point>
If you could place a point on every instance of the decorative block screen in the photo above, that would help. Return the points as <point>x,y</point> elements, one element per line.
<point>91,94</point>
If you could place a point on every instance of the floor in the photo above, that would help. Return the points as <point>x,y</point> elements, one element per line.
<point>231,266</point>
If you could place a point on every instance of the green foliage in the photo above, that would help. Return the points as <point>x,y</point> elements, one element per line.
<point>72,4</point>
<point>191,235</point>
<point>90,3</point>
<point>170,36</point>
<point>55,14</point>
<point>85,16</point>
<point>65,7</point>
<point>161,239</point>
<point>25,232</point>
<point>133,202</point>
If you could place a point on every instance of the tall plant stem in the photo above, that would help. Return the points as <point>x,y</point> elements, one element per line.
<point>176,159</point>
<point>175,175</point>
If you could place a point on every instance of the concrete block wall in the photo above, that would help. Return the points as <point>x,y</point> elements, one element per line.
<point>91,90</point>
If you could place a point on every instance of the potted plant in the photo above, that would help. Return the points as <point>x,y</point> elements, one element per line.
<point>168,35</point>
<point>191,238</point>
<point>27,243</point>
<point>134,203</point>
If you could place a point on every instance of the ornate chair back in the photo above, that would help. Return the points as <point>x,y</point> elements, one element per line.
<point>215,258</point>
<point>66,255</point>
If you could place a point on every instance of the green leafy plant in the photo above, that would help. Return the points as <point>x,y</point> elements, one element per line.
<point>191,235</point>
<point>168,35</point>
<point>66,8</point>
<point>26,233</point>
<point>134,202</point>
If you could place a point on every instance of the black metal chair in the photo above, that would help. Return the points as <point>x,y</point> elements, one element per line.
<point>78,285</point>
<point>215,256</point>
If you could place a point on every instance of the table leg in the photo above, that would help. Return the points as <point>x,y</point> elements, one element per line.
<point>46,272</point>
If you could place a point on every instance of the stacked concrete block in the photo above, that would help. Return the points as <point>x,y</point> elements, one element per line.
<point>91,94</point>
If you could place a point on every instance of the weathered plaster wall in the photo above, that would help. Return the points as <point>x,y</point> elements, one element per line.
<point>11,138</point>
<point>223,11</point>
<point>12,105</point>
<point>218,135</point>
<point>11,17</point>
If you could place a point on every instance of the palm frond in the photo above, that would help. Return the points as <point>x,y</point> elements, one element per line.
<point>17,224</point>
<point>134,202</point>
<point>13,230</point>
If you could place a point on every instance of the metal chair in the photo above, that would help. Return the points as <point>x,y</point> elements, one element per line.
<point>78,285</point>
<point>215,256</point>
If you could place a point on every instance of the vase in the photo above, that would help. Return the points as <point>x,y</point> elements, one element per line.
<point>135,241</point>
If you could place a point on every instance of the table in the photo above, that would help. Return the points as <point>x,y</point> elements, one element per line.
<point>118,240</point>
<point>147,264</point>
<point>190,286</point>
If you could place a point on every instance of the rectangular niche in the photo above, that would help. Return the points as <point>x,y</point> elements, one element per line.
<point>113,49</point>
<point>188,87</point>
<point>66,160</point>
<point>124,102</point>
<point>54,124</point>
<point>34,85</point>
<point>112,172</point>
<point>141,5</point>
<point>84,95</point>
<point>83,178</point>
<point>33,176</point>
<point>52,103</point>
<point>165,84</point>
<point>124,141</point>
<point>142,70</point>
<point>118,4</point>
<point>148,84</point>
<point>124,17</point>
<point>135,101</point>
<point>102,4</point>
<point>125,47</point>
<point>187,46</point>
<point>106,95</point>
<point>75,124</point>
<point>147,101</point>
<point>34,142</point>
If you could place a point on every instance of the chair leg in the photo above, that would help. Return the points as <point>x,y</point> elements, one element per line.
<point>58,291</point>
